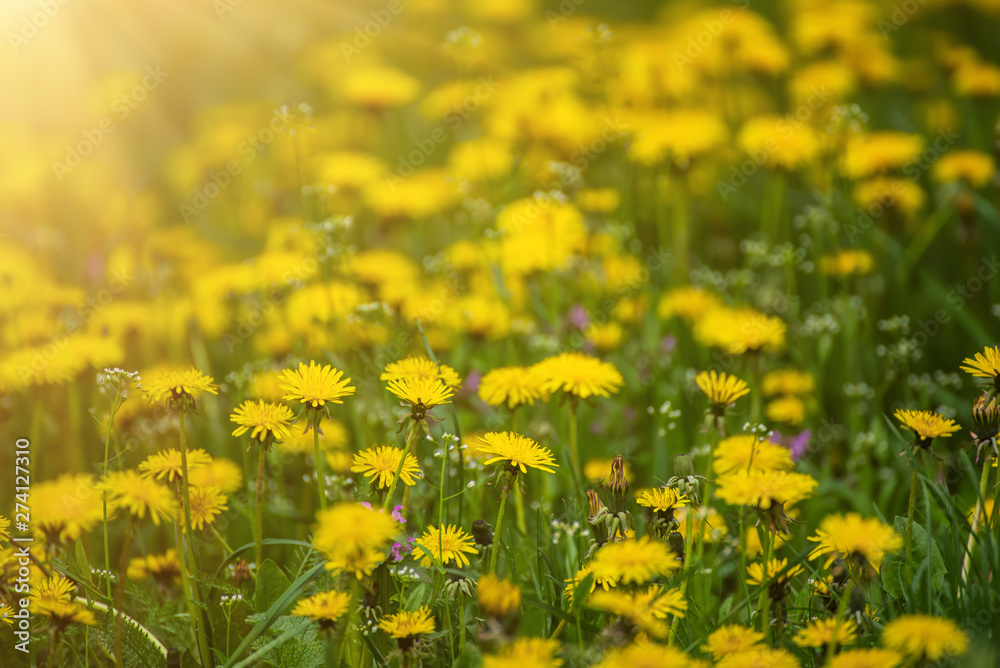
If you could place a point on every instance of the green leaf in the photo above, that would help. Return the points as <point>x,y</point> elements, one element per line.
<point>533,622</point>
<point>271,582</point>
<point>895,576</point>
<point>275,611</point>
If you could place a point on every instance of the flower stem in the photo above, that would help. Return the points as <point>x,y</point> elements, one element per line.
<point>258,531</point>
<point>910,510</point>
<point>976,519</point>
<point>104,494</point>
<point>496,532</point>
<point>120,597</point>
<point>411,447</point>
<point>764,603</point>
<point>318,464</point>
<point>573,445</point>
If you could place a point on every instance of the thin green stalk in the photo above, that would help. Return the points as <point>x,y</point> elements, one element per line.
<point>573,445</point>
<point>104,494</point>
<point>910,510</point>
<point>764,602</point>
<point>258,531</point>
<point>411,447</point>
<point>195,612</point>
<point>120,598</point>
<point>461,625</point>
<point>185,580</point>
<point>688,560</point>
<point>318,464</point>
<point>522,524</point>
<point>496,531</point>
<point>977,517</point>
<point>341,637</point>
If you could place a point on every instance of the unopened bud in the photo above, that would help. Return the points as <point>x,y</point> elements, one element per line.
<point>482,533</point>
<point>683,467</point>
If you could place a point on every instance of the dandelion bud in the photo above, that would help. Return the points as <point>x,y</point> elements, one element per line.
<point>482,533</point>
<point>683,467</point>
<point>986,416</point>
<point>595,503</point>
<point>676,542</point>
<point>618,484</point>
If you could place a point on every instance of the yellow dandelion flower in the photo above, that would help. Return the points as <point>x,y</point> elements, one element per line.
<point>781,144</point>
<point>765,488</point>
<point>790,410</point>
<point>759,657</point>
<point>221,472</point>
<point>526,653</point>
<point>353,538</point>
<point>496,597</point>
<point>325,608</point>
<point>6,614</point>
<point>731,639</point>
<point>206,504</point>
<point>580,375</point>
<point>984,365</point>
<point>421,393</point>
<point>517,451</point>
<point>819,633</point>
<point>164,568</point>
<point>4,530</point>
<point>380,462</point>
<point>421,367</point>
<point>854,538</point>
<point>176,385</point>
<point>513,386</point>
<point>66,508</point>
<point>445,546</point>
<point>139,496</point>
<point>866,155</point>
<point>63,613</point>
<point>661,499</point>
<point>314,386</point>
<point>847,262</point>
<point>721,388</point>
<point>776,573</point>
<point>265,421</point>
<point>569,590</point>
<point>927,425</point>
<point>54,588</point>
<point>646,609</point>
<point>866,658</point>
<point>925,638</point>
<point>644,655</point>
<point>407,624</point>
<point>788,381</point>
<point>633,561</point>
<point>748,452</point>
<point>975,167</point>
<point>739,330</point>
<point>689,303</point>
<point>715,528</point>
<point>167,464</point>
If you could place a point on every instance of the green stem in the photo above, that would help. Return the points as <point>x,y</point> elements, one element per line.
<point>318,464</point>
<point>977,517</point>
<point>573,445</point>
<point>910,510</point>
<point>120,598</point>
<point>258,533</point>
<point>461,626</point>
<point>764,603</point>
<point>411,447</point>
<point>104,495</point>
<point>496,531</point>
<point>688,541</point>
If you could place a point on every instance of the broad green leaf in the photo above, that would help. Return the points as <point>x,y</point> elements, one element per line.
<point>271,582</point>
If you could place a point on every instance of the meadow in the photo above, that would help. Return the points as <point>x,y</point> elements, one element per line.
<point>501,333</point>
